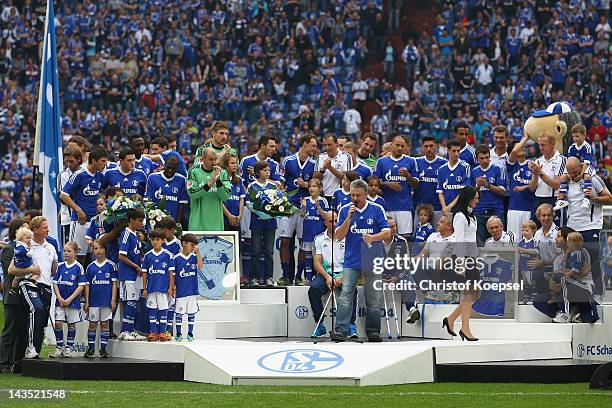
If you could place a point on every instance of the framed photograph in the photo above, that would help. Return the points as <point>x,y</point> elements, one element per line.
<point>500,267</point>
<point>219,279</point>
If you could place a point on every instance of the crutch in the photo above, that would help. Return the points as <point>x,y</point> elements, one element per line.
<point>321,317</point>
<point>395,315</point>
<point>387,315</point>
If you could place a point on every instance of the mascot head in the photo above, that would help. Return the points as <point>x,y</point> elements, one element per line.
<point>557,120</point>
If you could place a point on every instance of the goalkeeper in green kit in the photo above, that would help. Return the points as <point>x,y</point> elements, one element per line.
<point>208,186</point>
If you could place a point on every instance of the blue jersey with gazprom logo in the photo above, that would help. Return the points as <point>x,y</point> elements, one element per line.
<point>488,200</point>
<point>421,234</point>
<point>452,180</point>
<point>131,183</point>
<point>101,277</point>
<point>584,153</point>
<point>371,219</point>
<point>468,155</point>
<point>291,169</point>
<point>492,302</point>
<point>174,190</point>
<point>68,278</point>
<point>84,188</point>
<point>129,245</point>
<point>341,198</point>
<point>313,222</point>
<point>146,165</point>
<point>237,192</point>
<point>158,266</point>
<point>256,222</point>
<point>387,170</point>
<point>217,254</point>
<point>186,275</point>
<point>249,161</point>
<point>428,181</point>
<point>520,175</point>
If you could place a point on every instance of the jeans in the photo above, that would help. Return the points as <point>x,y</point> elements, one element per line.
<point>262,242</point>
<point>317,289</point>
<point>345,301</point>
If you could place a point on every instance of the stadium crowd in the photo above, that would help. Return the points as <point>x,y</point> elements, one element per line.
<point>205,103</point>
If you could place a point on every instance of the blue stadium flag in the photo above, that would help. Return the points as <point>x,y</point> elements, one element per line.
<point>48,142</point>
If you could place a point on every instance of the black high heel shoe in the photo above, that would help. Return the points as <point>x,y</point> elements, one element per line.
<point>466,337</point>
<point>448,329</point>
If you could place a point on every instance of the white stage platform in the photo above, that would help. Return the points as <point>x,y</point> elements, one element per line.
<point>254,343</point>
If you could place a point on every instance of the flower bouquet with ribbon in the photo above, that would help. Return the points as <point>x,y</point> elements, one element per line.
<point>271,203</point>
<point>117,208</point>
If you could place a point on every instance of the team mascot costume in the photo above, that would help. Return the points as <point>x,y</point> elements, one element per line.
<point>557,120</point>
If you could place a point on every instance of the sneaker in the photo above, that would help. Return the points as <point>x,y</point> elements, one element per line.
<point>126,336</point>
<point>91,353</point>
<point>413,315</point>
<point>270,282</point>
<point>57,353</point>
<point>190,337</point>
<point>374,338</point>
<point>283,282</point>
<point>337,337</point>
<point>320,332</point>
<point>576,318</point>
<point>560,204</point>
<point>169,335</point>
<point>67,352</point>
<point>137,337</point>
<point>104,354</point>
<point>299,282</point>
<point>561,318</point>
<point>353,331</point>
<point>178,337</point>
<point>152,337</point>
<point>254,282</point>
<point>31,353</point>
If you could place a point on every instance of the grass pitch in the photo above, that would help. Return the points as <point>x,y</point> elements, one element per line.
<point>179,394</point>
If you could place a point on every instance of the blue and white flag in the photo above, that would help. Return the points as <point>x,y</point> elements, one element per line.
<point>48,142</point>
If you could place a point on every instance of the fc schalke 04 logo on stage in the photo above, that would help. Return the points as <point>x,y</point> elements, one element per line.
<point>580,350</point>
<point>300,361</point>
<point>301,312</point>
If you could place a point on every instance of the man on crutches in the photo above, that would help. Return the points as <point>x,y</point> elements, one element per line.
<point>326,255</point>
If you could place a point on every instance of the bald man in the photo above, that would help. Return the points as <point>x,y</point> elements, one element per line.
<point>208,186</point>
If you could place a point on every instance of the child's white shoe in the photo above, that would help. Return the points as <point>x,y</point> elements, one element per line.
<point>57,353</point>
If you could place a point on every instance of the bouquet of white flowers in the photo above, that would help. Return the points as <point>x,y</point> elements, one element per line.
<point>117,208</point>
<point>271,203</point>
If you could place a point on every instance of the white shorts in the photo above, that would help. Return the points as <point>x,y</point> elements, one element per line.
<point>245,223</point>
<point>68,315</point>
<point>99,314</point>
<point>157,301</point>
<point>288,225</point>
<point>307,246</point>
<point>187,305</point>
<point>403,219</point>
<point>77,234</point>
<point>515,220</point>
<point>130,290</point>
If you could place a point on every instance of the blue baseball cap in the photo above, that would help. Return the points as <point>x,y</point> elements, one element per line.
<point>553,109</point>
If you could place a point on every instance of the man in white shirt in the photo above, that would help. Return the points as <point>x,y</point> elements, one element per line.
<point>352,122</point>
<point>484,76</point>
<point>499,238</point>
<point>401,98</point>
<point>547,170</point>
<point>545,242</point>
<point>333,163</point>
<point>359,88</point>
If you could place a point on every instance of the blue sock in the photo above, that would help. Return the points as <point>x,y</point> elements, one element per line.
<point>91,339</point>
<point>104,335</point>
<point>308,266</point>
<point>170,326</point>
<point>163,320</point>
<point>179,324</point>
<point>286,267</point>
<point>246,258</point>
<point>59,337</point>
<point>153,320</point>
<point>129,310</point>
<point>190,320</point>
<point>71,336</point>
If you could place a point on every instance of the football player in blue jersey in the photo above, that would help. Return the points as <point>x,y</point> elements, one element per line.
<point>466,151</point>
<point>158,284</point>
<point>452,177</point>
<point>100,299</point>
<point>68,283</point>
<point>171,186</point>
<point>428,166</point>
<point>521,196</point>
<point>167,147</point>
<point>491,185</point>
<point>363,224</point>
<point>126,176</point>
<point>186,264</point>
<point>137,144</point>
<point>80,194</point>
